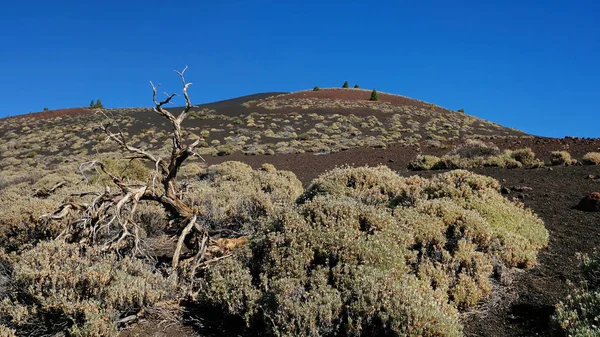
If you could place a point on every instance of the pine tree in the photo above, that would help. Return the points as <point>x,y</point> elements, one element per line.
<point>345,85</point>
<point>316,88</point>
<point>374,95</point>
<point>356,86</point>
<point>98,104</point>
<point>92,104</point>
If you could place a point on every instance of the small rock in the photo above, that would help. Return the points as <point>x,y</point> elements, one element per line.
<point>590,203</point>
<point>550,169</point>
<point>592,177</point>
<point>391,160</point>
<point>505,190</point>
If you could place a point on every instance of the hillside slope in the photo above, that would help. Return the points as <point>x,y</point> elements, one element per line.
<point>318,122</point>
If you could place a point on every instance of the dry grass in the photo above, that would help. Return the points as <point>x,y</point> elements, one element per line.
<point>591,158</point>
<point>562,158</point>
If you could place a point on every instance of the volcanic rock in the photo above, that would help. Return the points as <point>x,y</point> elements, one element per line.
<point>590,203</point>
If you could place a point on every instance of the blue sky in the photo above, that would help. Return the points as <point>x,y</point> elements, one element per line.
<point>533,65</point>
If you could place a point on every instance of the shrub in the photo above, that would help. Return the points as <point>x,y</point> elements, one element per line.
<point>561,158</point>
<point>345,85</point>
<point>316,88</point>
<point>132,169</point>
<point>423,162</point>
<point>577,314</point>
<point>374,95</point>
<point>475,148</point>
<point>356,86</point>
<point>21,226</point>
<point>524,156</point>
<point>461,110</point>
<point>476,154</point>
<point>67,287</point>
<point>591,158</point>
<point>232,195</point>
<point>367,252</point>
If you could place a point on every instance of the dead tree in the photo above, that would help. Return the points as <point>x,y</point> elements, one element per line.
<point>107,220</point>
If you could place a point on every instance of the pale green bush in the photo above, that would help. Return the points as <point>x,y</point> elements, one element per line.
<point>67,287</point>
<point>473,148</point>
<point>577,314</point>
<point>367,252</point>
<point>232,195</point>
<point>476,154</point>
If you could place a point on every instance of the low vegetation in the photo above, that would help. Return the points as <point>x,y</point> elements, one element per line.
<point>366,252</point>
<point>562,158</point>
<point>360,251</point>
<point>591,158</point>
<point>578,313</point>
<point>476,154</point>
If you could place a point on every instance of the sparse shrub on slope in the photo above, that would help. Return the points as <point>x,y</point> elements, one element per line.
<point>58,287</point>
<point>577,315</point>
<point>591,158</point>
<point>367,252</point>
<point>423,162</point>
<point>473,148</point>
<point>476,154</point>
<point>562,158</point>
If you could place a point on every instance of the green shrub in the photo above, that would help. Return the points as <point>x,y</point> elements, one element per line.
<point>316,88</point>
<point>577,314</point>
<point>561,158</point>
<point>367,252</point>
<point>356,86</point>
<point>374,95</point>
<point>80,290</point>
<point>591,158</point>
<point>345,85</point>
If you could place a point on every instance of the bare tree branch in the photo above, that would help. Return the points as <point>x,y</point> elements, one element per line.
<point>108,219</point>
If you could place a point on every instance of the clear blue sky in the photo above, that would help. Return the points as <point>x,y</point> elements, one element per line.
<point>533,65</point>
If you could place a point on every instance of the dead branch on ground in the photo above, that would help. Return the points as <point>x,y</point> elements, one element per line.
<point>108,219</point>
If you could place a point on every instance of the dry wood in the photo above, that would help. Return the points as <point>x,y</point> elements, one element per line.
<point>108,220</point>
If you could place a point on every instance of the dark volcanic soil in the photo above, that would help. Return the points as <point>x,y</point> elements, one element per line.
<point>526,305</point>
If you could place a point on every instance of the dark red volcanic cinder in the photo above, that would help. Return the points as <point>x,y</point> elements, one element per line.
<point>356,95</point>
